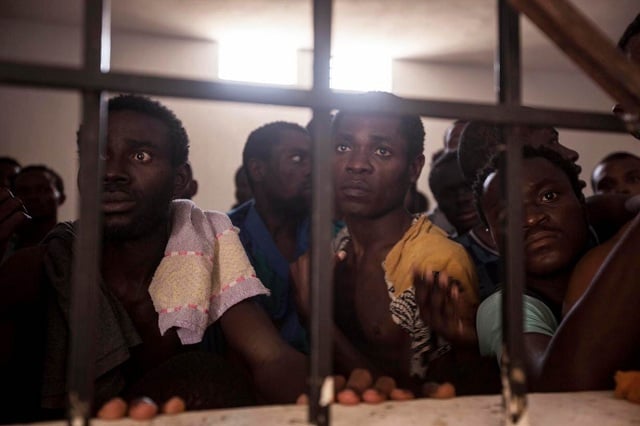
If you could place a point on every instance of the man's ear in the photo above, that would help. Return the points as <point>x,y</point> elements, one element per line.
<point>255,170</point>
<point>181,180</point>
<point>415,168</point>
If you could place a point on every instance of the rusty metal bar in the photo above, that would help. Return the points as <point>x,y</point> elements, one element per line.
<point>321,387</point>
<point>588,47</point>
<point>69,78</point>
<point>87,250</point>
<point>509,79</point>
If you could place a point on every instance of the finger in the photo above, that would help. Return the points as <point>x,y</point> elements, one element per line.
<point>439,391</point>
<point>143,409</point>
<point>10,224</point>
<point>113,409</point>
<point>401,395</point>
<point>174,405</point>
<point>348,397</point>
<point>373,396</point>
<point>360,380</point>
<point>10,206</point>
<point>385,385</point>
<point>303,399</point>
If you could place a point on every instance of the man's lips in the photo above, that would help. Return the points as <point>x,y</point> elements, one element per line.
<point>116,202</point>
<point>355,189</point>
<point>537,238</point>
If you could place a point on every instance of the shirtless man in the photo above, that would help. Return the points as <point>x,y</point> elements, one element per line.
<point>146,155</point>
<point>377,158</point>
<point>582,348</point>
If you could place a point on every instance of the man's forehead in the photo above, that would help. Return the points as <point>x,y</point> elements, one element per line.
<point>374,122</point>
<point>137,125</point>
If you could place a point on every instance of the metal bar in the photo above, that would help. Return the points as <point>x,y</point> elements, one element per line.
<point>321,231</point>
<point>87,251</point>
<point>588,47</point>
<point>508,64</point>
<point>69,78</point>
<point>508,72</point>
<point>321,387</point>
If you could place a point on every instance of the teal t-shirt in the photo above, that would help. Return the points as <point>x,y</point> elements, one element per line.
<point>538,318</point>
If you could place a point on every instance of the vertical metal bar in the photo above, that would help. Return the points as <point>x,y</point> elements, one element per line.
<point>87,250</point>
<point>507,66</point>
<point>510,93</point>
<point>321,273</point>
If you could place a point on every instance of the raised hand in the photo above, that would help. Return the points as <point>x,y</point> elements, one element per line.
<point>446,308</point>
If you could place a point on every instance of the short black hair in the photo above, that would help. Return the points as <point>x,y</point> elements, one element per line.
<point>57,180</point>
<point>632,30</point>
<point>479,141</point>
<point>261,141</point>
<point>10,160</point>
<point>145,105</point>
<point>618,155</point>
<point>564,164</point>
<point>411,126</point>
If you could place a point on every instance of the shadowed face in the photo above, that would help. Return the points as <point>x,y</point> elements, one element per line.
<point>140,180</point>
<point>287,175</point>
<point>38,192</point>
<point>617,176</point>
<point>371,168</point>
<point>555,228</point>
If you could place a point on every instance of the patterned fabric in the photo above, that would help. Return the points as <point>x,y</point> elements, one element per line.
<point>273,271</point>
<point>205,271</point>
<point>424,247</point>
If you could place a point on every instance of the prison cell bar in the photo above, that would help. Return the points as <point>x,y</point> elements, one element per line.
<point>62,77</point>
<point>87,249</point>
<point>509,87</point>
<point>320,383</point>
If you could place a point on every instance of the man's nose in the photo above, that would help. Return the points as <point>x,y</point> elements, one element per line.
<point>358,162</point>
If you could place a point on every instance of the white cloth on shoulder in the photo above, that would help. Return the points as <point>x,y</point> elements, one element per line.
<point>204,272</point>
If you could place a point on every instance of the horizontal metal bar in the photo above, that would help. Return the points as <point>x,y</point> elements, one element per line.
<point>73,78</point>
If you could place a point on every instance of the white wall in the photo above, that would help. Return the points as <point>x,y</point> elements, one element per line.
<point>39,125</point>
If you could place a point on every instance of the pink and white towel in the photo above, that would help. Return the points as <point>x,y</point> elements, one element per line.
<point>204,272</point>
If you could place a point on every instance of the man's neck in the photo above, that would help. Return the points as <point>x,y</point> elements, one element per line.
<point>128,266</point>
<point>553,287</point>
<point>380,233</point>
<point>280,222</point>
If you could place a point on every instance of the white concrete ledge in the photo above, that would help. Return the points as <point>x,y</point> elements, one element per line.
<point>576,408</point>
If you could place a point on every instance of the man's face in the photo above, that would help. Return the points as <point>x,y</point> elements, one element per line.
<point>632,52</point>
<point>617,176</point>
<point>555,229</point>
<point>37,191</point>
<point>8,171</point>
<point>370,167</point>
<point>139,178</point>
<point>455,198</point>
<point>287,175</point>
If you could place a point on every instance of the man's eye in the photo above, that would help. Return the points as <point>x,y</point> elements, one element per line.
<point>549,195</point>
<point>296,158</point>
<point>142,157</point>
<point>633,178</point>
<point>342,148</point>
<point>383,152</point>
